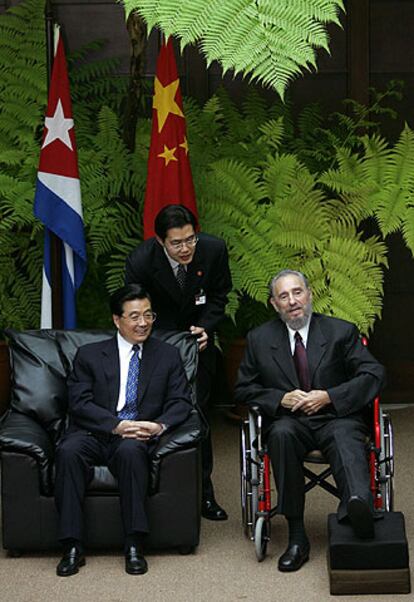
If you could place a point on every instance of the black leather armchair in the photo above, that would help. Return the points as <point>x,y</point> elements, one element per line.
<point>40,362</point>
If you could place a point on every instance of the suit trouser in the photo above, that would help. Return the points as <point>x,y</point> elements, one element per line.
<point>343,443</point>
<point>205,375</point>
<point>127,459</point>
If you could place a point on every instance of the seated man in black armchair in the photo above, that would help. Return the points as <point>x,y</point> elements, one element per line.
<point>123,393</point>
<point>311,377</point>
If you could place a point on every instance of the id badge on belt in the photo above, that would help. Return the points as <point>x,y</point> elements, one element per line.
<point>200,298</point>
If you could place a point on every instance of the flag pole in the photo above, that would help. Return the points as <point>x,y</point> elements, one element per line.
<point>55,242</point>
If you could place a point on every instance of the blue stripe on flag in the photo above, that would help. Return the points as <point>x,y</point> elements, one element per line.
<point>63,221</point>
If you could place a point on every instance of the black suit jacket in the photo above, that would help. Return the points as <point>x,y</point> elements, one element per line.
<point>163,391</point>
<point>208,273</point>
<point>338,363</point>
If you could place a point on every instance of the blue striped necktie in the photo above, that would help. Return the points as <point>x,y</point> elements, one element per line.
<point>130,409</point>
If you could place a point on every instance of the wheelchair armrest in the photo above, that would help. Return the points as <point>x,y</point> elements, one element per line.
<point>188,434</point>
<point>255,410</point>
<point>22,435</point>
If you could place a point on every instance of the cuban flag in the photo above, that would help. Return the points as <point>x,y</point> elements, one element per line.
<point>57,201</point>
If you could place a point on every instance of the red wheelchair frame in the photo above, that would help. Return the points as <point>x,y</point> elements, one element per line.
<point>257,509</point>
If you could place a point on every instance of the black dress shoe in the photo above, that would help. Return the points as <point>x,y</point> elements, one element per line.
<point>294,557</point>
<point>135,563</point>
<point>72,559</point>
<point>361,517</point>
<point>211,510</point>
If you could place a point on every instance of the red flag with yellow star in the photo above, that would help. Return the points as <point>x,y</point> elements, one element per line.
<point>169,178</point>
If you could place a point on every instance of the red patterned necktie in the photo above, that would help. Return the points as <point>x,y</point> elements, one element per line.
<point>301,363</point>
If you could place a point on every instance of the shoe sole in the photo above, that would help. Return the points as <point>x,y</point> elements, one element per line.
<point>361,518</point>
<point>74,572</point>
<point>214,517</point>
<point>139,572</point>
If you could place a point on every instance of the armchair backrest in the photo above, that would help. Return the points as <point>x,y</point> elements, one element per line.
<point>38,378</point>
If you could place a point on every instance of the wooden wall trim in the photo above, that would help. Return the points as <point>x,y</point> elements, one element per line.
<point>358,58</point>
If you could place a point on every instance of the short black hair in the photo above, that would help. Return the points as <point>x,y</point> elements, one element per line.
<point>173,216</point>
<point>129,292</point>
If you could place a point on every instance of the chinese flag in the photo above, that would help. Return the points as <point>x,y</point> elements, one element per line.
<point>169,177</point>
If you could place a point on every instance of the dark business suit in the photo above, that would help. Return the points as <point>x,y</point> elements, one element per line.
<point>338,364</point>
<point>208,276</point>
<point>93,387</point>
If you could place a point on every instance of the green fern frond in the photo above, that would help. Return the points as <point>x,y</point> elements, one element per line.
<point>351,208</point>
<point>255,106</point>
<point>376,158</point>
<point>272,133</point>
<point>391,202</point>
<point>270,41</point>
<point>310,118</point>
<point>239,181</point>
<point>400,169</point>
<point>348,175</point>
<point>353,277</point>
<point>279,174</point>
<point>376,251</point>
<point>408,229</point>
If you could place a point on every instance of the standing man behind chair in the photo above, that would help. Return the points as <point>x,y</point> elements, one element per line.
<point>123,393</point>
<point>311,377</point>
<point>188,278</point>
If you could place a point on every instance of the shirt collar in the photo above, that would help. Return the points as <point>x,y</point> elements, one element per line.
<point>125,348</point>
<point>304,331</point>
<point>174,264</point>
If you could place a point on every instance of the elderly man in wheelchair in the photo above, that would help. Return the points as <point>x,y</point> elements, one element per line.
<point>311,379</point>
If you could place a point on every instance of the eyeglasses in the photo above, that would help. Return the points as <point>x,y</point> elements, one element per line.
<point>147,316</point>
<point>177,245</point>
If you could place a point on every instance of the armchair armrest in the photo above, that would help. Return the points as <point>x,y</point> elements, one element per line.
<point>23,435</point>
<point>188,434</point>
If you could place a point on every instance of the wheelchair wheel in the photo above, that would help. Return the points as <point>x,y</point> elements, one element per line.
<point>261,537</point>
<point>386,466</point>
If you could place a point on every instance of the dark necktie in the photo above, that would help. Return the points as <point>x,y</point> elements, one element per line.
<point>130,410</point>
<point>181,275</point>
<point>301,363</point>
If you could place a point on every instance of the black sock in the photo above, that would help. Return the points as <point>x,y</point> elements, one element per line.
<point>134,539</point>
<point>297,533</point>
<point>71,542</point>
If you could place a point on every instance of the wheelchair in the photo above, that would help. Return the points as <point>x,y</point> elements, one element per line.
<point>255,477</point>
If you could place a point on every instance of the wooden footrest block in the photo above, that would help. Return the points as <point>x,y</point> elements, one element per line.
<point>369,566</point>
<point>390,581</point>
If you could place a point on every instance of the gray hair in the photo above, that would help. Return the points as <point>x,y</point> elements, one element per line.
<point>284,273</point>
